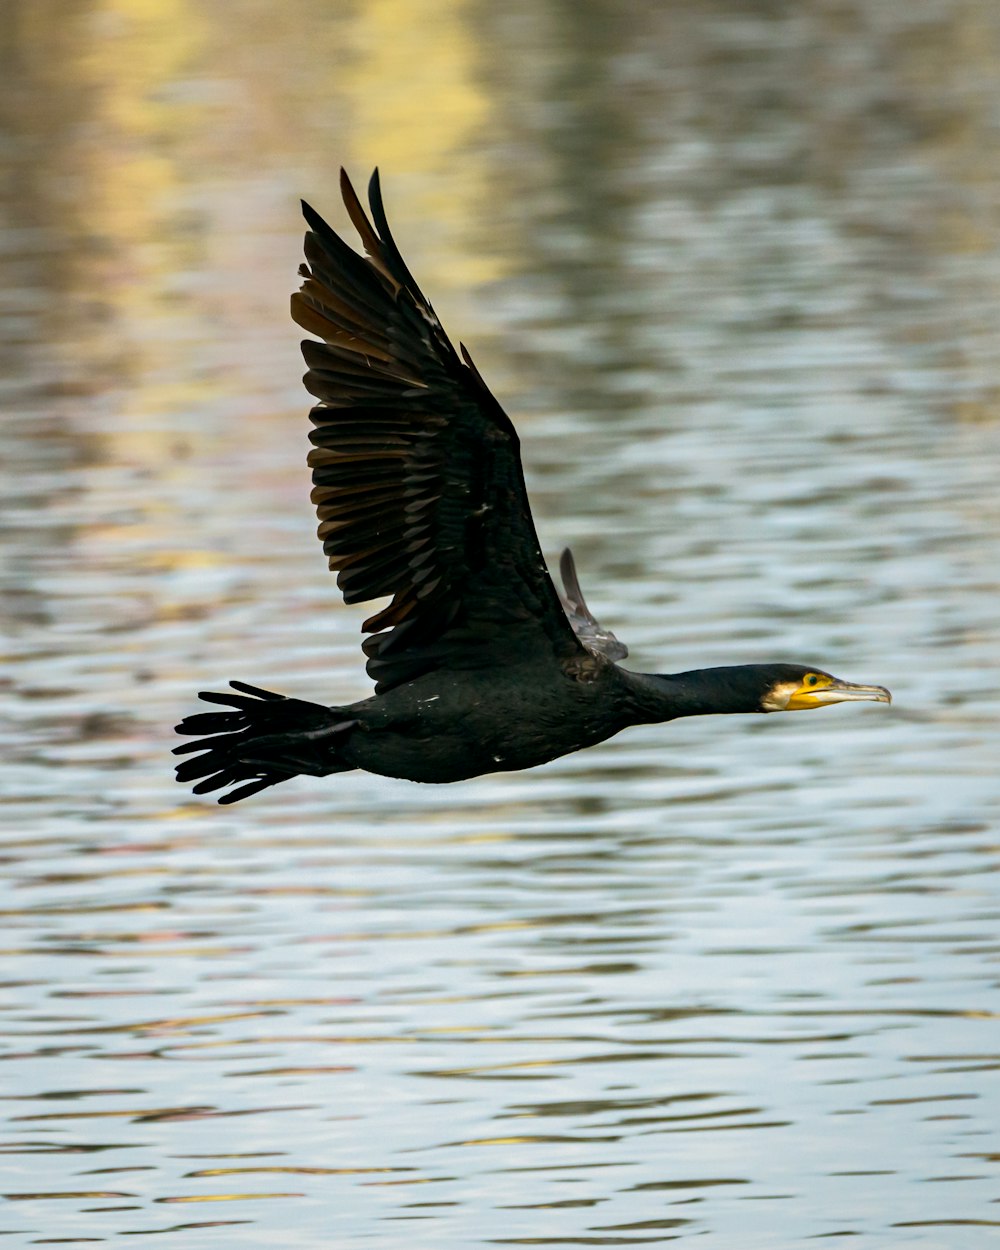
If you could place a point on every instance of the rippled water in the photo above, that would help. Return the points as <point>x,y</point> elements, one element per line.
<point>735,272</point>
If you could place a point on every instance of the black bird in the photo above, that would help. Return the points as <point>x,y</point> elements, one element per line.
<point>479,666</point>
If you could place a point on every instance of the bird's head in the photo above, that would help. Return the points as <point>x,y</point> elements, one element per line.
<point>794,687</point>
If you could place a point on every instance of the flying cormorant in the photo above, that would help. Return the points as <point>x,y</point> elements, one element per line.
<point>479,665</point>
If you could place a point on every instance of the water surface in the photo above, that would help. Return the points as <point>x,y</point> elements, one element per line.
<point>735,274</point>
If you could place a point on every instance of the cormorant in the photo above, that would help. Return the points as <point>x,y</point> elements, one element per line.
<point>479,665</point>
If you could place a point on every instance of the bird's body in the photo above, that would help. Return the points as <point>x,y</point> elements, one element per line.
<point>450,726</point>
<point>480,666</point>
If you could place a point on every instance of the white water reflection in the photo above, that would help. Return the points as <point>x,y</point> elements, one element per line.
<point>734,275</point>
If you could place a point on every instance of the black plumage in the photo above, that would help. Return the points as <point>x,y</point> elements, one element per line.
<point>478,663</point>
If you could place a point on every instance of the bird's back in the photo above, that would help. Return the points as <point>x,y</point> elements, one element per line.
<point>447,726</point>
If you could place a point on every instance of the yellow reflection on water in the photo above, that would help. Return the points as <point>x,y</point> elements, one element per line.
<point>137,48</point>
<point>178,139</point>
<point>415,89</point>
<point>413,82</point>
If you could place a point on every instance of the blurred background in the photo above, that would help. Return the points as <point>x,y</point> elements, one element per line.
<point>734,269</point>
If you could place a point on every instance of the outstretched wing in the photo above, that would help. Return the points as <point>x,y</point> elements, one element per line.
<point>417,469</point>
<point>586,626</point>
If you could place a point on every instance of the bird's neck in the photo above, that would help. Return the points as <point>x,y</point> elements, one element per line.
<point>702,691</point>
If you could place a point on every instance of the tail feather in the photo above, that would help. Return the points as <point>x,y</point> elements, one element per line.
<point>263,739</point>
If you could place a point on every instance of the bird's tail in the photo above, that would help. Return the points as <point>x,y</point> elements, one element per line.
<point>263,739</point>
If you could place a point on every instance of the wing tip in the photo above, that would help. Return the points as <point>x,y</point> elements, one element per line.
<point>313,219</point>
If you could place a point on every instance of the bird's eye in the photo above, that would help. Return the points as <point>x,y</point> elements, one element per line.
<point>812,679</point>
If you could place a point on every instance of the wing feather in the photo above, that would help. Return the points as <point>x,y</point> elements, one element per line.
<point>416,468</point>
<point>586,626</point>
